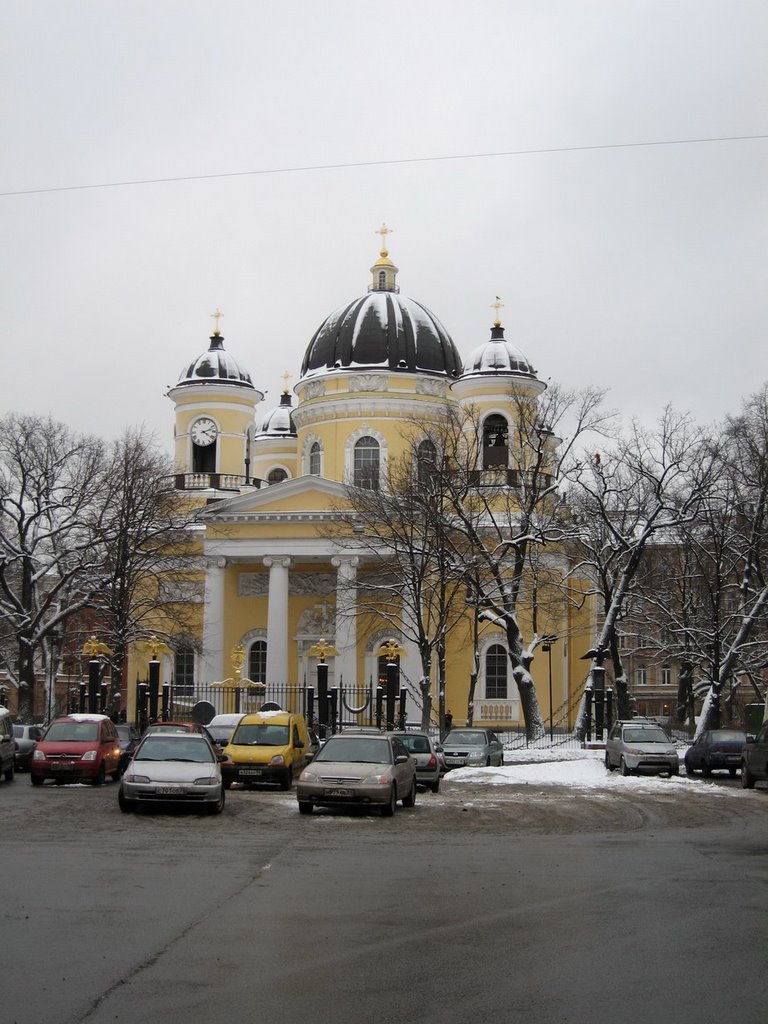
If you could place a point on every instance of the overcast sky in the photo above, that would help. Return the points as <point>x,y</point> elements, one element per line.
<point>638,268</point>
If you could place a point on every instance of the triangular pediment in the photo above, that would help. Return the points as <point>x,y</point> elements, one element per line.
<point>302,494</point>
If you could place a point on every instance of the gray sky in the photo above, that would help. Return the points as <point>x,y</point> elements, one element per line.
<point>641,269</point>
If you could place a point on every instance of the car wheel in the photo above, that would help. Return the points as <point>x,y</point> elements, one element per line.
<point>8,773</point>
<point>732,772</point>
<point>688,767</point>
<point>488,761</point>
<point>306,807</point>
<point>388,809</point>
<point>410,800</point>
<point>608,764</point>
<point>706,769</point>
<point>227,783</point>
<point>675,770</point>
<point>218,807</point>
<point>286,780</point>
<point>435,786</point>
<point>623,767</point>
<point>126,806</point>
<point>747,778</point>
<point>100,777</point>
<point>36,780</point>
<point>115,776</point>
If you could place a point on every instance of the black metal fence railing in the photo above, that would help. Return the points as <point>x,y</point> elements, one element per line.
<point>327,712</point>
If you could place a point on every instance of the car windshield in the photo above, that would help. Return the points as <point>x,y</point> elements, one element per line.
<point>416,744</point>
<point>261,736</point>
<point>465,738</point>
<point>727,736</point>
<point>160,749</point>
<point>368,751</point>
<point>168,728</point>
<point>647,734</point>
<point>73,732</point>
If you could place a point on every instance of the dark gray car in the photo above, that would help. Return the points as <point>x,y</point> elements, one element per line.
<point>469,747</point>
<point>754,758</point>
<point>26,737</point>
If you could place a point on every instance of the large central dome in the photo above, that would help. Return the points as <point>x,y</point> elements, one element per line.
<point>382,330</point>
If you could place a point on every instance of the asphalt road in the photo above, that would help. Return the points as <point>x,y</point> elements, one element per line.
<point>495,903</point>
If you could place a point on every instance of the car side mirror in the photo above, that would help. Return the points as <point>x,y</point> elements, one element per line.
<point>750,739</point>
<point>309,755</point>
<point>298,745</point>
<point>438,750</point>
<point>402,758</point>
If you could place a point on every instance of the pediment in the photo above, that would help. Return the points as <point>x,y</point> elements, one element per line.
<point>302,494</point>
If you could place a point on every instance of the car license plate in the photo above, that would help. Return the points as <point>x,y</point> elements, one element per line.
<point>454,760</point>
<point>167,790</point>
<point>57,766</point>
<point>336,791</point>
<point>251,771</point>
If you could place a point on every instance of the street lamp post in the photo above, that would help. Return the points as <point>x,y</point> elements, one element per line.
<point>546,646</point>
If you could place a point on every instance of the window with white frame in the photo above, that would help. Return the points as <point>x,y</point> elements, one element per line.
<point>315,453</point>
<point>496,673</point>
<point>276,476</point>
<point>366,463</point>
<point>641,675</point>
<point>666,675</point>
<point>257,662</point>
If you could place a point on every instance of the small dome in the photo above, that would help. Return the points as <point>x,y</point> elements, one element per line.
<point>216,366</point>
<point>497,356</point>
<point>278,422</point>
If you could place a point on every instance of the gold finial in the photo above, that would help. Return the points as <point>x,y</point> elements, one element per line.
<point>497,305</point>
<point>322,649</point>
<point>238,657</point>
<point>286,378</point>
<point>94,648</point>
<point>391,649</point>
<point>383,231</point>
<point>217,316</point>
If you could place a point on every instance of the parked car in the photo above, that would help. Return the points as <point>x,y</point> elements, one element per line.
<point>129,737</point>
<point>180,769</point>
<point>638,745</point>
<point>7,745</point>
<point>269,746</point>
<point>472,747</point>
<point>221,727</point>
<point>422,749</point>
<point>26,737</point>
<point>716,749</point>
<point>182,727</point>
<point>77,748</point>
<point>754,758</point>
<point>358,770</point>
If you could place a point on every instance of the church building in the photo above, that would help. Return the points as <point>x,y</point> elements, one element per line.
<point>274,582</point>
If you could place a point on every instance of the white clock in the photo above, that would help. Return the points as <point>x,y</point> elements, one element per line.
<point>204,431</point>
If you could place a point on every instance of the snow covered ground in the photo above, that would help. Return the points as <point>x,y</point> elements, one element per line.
<point>580,769</point>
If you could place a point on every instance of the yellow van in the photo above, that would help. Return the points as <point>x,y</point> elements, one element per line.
<point>270,746</point>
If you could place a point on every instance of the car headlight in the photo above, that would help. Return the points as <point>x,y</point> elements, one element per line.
<point>209,780</point>
<point>89,755</point>
<point>38,756</point>
<point>277,759</point>
<point>308,776</point>
<point>133,777</point>
<point>378,779</point>
<point>476,758</point>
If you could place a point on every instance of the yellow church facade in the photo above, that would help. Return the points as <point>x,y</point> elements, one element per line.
<point>271,579</point>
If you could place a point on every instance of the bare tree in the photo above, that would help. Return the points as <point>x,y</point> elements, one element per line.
<point>642,488</point>
<point>51,488</point>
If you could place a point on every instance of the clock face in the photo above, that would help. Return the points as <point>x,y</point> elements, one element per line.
<point>204,431</point>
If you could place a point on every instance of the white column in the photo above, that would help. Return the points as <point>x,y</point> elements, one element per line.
<point>213,622</point>
<point>277,620</point>
<point>410,666</point>
<point>346,619</point>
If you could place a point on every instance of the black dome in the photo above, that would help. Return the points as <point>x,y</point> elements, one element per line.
<point>382,330</point>
<point>216,366</point>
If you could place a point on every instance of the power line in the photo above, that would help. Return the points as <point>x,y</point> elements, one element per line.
<point>383,163</point>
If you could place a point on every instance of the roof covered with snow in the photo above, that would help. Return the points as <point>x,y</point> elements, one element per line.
<point>498,356</point>
<point>214,366</point>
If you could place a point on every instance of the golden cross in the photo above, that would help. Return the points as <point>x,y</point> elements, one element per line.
<point>383,231</point>
<point>217,316</point>
<point>497,305</point>
<point>286,378</point>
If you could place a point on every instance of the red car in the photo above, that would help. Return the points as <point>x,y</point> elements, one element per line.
<point>77,748</point>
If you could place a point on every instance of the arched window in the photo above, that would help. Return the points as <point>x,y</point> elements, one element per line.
<point>367,458</point>
<point>257,662</point>
<point>382,279</point>
<point>496,673</point>
<point>314,459</point>
<point>276,476</point>
<point>184,671</point>
<point>495,443</point>
<point>426,462</point>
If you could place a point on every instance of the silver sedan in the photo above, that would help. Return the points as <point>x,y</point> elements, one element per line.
<point>173,768</point>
